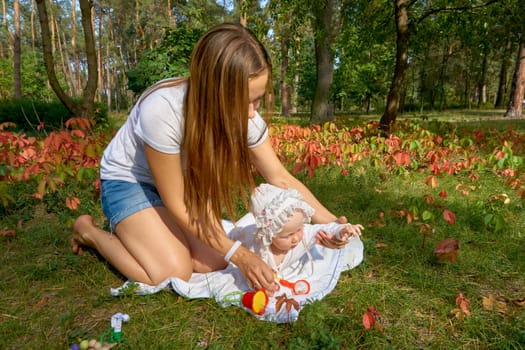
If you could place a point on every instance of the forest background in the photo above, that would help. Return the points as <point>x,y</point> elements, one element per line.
<point>329,56</point>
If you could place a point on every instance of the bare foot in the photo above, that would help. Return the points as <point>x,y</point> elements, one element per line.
<point>83,224</point>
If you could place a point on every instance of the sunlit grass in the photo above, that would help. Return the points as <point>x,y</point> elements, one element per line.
<point>50,298</point>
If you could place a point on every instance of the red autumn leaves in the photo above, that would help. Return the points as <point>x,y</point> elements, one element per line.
<point>463,307</point>
<point>54,160</point>
<point>447,250</point>
<point>372,319</point>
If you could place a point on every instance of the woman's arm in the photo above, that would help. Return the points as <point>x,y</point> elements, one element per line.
<point>271,168</point>
<point>167,173</point>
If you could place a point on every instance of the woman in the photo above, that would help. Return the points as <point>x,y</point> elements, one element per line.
<point>183,156</point>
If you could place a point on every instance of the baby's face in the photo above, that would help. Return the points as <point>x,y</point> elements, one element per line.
<point>291,234</point>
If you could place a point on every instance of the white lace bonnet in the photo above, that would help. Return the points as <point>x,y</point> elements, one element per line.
<point>272,207</point>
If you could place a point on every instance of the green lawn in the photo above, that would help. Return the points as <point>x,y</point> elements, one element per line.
<point>51,298</point>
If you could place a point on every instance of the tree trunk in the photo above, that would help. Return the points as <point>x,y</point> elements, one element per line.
<point>86,108</point>
<point>294,93</point>
<point>76,63</point>
<point>138,24</point>
<point>171,19</point>
<point>482,86</point>
<point>7,29</point>
<point>52,20</point>
<point>109,83</point>
<point>285,96</point>
<point>517,92</point>
<point>402,32</point>
<point>33,36</point>
<point>100,69</point>
<point>443,75</point>
<point>91,56</point>
<point>4,24</point>
<point>502,85</point>
<point>324,29</point>
<point>243,19</point>
<point>17,52</point>
<point>423,80</point>
<point>466,73</point>
<point>64,57</point>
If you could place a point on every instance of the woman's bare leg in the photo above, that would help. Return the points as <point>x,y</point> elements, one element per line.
<point>205,258</point>
<point>147,246</point>
<point>86,233</point>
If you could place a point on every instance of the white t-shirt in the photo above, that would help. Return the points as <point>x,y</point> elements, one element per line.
<point>157,120</point>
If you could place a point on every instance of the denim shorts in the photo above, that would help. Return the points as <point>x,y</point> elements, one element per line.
<point>120,199</point>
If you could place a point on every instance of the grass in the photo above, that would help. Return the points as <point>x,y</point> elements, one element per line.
<point>49,298</point>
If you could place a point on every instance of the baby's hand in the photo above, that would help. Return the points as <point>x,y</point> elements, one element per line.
<point>340,239</point>
<point>329,240</point>
<point>348,231</point>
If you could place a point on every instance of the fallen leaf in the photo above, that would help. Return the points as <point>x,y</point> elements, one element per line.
<point>426,228</point>
<point>449,216</point>
<point>279,302</point>
<point>504,198</point>
<point>42,302</point>
<point>411,217</point>
<point>368,320</point>
<point>463,303</point>
<point>429,199</point>
<point>288,307</point>
<point>432,181</point>
<point>7,232</point>
<point>372,319</point>
<point>376,223</point>
<point>519,302</point>
<point>294,303</point>
<point>72,203</point>
<point>463,189</point>
<point>457,313</point>
<point>495,303</point>
<point>447,250</point>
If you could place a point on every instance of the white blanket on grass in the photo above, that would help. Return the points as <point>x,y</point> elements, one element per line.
<point>226,286</point>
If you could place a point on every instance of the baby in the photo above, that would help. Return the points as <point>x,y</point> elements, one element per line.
<point>283,233</point>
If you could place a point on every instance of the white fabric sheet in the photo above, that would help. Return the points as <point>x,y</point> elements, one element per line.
<point>225,286</point>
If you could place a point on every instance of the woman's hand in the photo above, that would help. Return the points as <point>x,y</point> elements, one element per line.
<point>258,274</point>
<point>342,220</point>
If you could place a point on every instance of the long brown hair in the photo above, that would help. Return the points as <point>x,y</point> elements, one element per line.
<point>218,167</point>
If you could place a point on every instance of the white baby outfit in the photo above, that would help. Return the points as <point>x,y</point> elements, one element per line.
<point>271,209</point>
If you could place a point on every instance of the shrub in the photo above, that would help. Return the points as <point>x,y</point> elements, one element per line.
<point>32,115</point>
